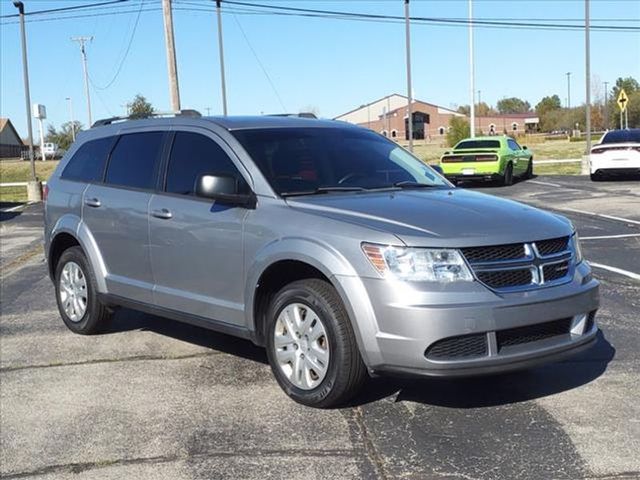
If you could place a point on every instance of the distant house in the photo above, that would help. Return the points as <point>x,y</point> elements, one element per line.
<point>11,145</point>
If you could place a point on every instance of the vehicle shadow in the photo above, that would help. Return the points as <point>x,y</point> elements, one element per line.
<point>495,390</point>
<point>480,184</point>
<point>470,392</point>
<point>126,320</point>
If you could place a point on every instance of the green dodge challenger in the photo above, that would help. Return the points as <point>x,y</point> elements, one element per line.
<point>487,158</point>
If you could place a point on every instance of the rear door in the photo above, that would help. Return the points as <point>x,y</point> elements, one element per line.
<point>116,212</point>
<point>197,243</point>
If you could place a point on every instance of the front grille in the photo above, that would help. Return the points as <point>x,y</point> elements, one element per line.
<point>464,346</point>
<point>532,333</point>
<point>505,278</point>
<point>555,271</point>
<point>513,251</point>
<point>521,265</point>
<point>550,247</point>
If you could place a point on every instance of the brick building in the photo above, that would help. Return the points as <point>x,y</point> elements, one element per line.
<point>388,116</point>
<point>11,144</point>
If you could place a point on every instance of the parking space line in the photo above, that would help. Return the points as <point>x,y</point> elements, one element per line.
<point>603,237</point>
<point>601,215</point>
<point>617,270</point>
<point>538,182</point>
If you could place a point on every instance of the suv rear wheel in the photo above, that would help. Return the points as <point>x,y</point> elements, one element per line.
<point>76,294</point>
<point>311,345</point>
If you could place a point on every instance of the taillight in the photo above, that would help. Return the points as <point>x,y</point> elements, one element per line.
<point>45,192</point>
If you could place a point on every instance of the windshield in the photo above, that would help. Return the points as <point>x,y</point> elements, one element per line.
<point>475,144</point>
<point>317,160</point>
<point>622,136</point>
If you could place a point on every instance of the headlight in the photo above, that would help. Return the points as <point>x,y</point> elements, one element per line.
<point>418,264</point>
<point>576,247</point>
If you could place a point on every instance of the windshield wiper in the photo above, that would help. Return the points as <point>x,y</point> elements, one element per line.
<point>412,184</point>
<point>323,190</point>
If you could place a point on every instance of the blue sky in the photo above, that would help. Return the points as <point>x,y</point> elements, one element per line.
<point>333,65</point>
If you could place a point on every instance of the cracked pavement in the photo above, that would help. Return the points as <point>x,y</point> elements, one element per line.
<point>152,398</point>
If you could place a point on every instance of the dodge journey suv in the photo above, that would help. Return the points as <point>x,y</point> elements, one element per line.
<point>326,243</point>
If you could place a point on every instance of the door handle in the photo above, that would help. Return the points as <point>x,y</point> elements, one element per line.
<point>92,202</point>
<point>163,213</point>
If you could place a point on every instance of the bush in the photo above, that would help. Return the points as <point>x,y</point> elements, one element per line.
<point>458,130</point>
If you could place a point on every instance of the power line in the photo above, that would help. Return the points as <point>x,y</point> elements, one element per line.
<point>126,53</point>
<point>264,70</point>
<point>64,9</point>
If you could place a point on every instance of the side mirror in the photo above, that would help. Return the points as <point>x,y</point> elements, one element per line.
<point>437,168</point>
<point>524,147</point>
<point>224,189</point>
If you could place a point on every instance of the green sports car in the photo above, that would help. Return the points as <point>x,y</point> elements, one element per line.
<point>487,158</point>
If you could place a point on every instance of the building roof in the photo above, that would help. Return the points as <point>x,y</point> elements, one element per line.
<point>415,100</point>
<point>5,123</point>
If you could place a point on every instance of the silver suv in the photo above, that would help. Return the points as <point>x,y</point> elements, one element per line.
<point>328,244</point>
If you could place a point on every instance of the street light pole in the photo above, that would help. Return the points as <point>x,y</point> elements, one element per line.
<point>472,90</point>
<point>606,105</point>
<point>409,93</point>
<point>73,124</point>
<point>221,53</point>
<point>587,61</point>
<point>27,93</point>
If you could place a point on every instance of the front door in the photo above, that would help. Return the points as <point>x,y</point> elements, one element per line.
<point>196,243</point>
<point>116,214</point>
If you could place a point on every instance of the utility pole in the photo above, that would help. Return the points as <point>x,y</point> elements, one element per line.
<point>472,88</point>
<point>83,51</point>
<point>409,93</point>
<point>174,90</point>
<point>479,102</point>
<point>73,123</point>
<point>221,53</point>
<point>606,105</point>
<point>587,61</point>
<point>27,93</point>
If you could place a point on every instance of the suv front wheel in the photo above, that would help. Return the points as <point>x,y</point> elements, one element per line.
<point>311,345</point>
<point>78,303</point>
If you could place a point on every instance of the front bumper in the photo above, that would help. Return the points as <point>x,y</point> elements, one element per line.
<point>409,320</point>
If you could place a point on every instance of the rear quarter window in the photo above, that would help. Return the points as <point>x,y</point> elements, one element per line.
<point>134,160</point>
<point>87,164</point>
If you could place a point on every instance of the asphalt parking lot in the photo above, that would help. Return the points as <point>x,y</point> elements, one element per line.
<point>155,399</point>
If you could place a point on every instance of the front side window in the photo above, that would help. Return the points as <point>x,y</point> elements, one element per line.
<point>87,164</point>
<point>135,159</point>
<point>193,155</point>
<point>303,160</point>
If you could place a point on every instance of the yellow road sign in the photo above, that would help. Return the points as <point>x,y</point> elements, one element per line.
<point>622,100</point>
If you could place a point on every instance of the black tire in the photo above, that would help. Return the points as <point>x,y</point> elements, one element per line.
<point>529,173</point>
<point>346,372</point>
<point>507,178</point>
<point>96,315</point>
<point>596,177</point>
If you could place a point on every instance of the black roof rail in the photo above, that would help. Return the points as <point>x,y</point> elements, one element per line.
<point>301,115</point>
<point>180,113</point>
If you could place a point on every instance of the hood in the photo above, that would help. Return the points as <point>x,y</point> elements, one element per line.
<point>442,217</point>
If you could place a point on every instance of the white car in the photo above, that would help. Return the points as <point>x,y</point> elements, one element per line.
<point>617,153</point>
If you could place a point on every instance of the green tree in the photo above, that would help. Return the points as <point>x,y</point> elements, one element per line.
<point>629,84</point>
<point>464,109</point>
<point>458,130</point>
<point>140,107</point>
<point>64,136</point>
<point>513,105</point>
<point>547,109</point>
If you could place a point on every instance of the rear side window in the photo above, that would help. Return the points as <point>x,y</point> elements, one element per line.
<point>134,160</point>
<point>513,145</point>
<point>87,164</point>
<point>192,155</point>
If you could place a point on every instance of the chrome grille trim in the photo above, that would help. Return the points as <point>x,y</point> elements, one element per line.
<point>532,260</point>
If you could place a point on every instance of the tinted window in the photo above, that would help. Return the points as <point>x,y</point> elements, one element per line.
<point>134,160</point>
<point>87,164</point>
<point>622,136</point>
<point>474,144</point>
<point>192,155</point>
<point>296,160</point>
<point>513,145</point>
